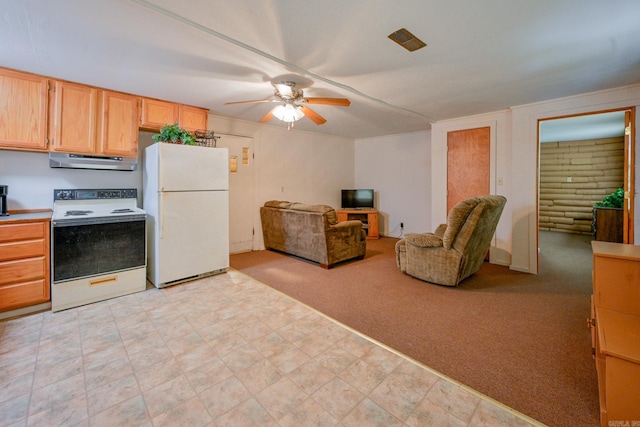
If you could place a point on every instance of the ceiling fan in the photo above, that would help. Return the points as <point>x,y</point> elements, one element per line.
<point>292,104</point>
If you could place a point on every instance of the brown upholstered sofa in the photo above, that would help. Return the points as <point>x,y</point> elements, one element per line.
<point>456,249</point>
<point>311,232</point>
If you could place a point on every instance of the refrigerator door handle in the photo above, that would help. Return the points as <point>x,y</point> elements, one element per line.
<point>159,219</point>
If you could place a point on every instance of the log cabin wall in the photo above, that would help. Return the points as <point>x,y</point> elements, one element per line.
<point>573,176</point>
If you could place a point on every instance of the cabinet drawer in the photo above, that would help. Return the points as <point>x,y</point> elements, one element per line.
<point>21,250</point>
<point>617,284</point>
<point>22,270</point>
<point>16,232</point>
<point>23,294</point>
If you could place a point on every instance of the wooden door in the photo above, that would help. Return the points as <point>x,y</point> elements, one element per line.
<point>468,163</point>
<point>192,118</point>
<point>118,124</point>
<point>155,114</point>
<point>23,110</point>
<point>241,197</point>
<point>75,114</point>
<point>629,176</point>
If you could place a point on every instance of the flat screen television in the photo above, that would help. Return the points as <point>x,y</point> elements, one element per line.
<point>357,199</point>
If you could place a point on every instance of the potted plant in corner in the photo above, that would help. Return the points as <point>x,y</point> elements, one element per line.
<point>608,217</point>
<point>174,134</point>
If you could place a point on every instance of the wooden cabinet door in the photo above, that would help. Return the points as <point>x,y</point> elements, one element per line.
<point>23,110</point>
<point>193,118</point>
<point>118,124</point>
<point>74,110</point>
<point>156,114</point>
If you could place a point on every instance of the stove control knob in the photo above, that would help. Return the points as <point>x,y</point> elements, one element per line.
<point>64,195</point>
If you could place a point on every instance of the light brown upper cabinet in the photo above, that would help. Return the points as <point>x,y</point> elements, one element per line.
<point>155,114</point>
<point>87,120</point>
<point>38,113</point>
<point>118,124</point>
<point>23,111</point>
<point>73,118</point>
<point>192,118</point>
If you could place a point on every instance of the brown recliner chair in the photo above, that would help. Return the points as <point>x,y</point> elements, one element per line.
<point>456,249</point>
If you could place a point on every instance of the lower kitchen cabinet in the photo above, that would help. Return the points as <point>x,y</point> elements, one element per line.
<point>24,263</point>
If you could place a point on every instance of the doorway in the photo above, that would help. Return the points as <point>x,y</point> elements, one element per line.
<point>581,159</point>
<point>241,195</point>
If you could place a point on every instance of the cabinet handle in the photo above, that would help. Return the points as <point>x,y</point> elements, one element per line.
<point>591,322</point>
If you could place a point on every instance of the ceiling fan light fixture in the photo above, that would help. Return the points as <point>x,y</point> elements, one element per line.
<point>288,113</point>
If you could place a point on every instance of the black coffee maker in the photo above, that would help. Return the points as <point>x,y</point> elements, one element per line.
<point>4,189</point>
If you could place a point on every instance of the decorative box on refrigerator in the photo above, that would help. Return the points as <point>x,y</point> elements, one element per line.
<point>186,197</point>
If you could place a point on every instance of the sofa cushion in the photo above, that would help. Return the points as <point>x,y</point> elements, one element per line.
<point>456,218</point>
<point>424,240</point>
<point>332,216</point>
<point>310,208</point>
<point>277,204</point>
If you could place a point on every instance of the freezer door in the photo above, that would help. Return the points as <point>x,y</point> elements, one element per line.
<point>192,168</point>
<point>192,234</point>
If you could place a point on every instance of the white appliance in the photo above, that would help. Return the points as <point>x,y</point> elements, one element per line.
<point>98,246</point>
<point>186,198</point>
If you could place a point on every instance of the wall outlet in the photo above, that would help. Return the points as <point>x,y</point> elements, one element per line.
<point>402,225</point>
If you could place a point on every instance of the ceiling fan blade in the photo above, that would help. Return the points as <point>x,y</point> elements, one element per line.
<point>317,118</point>
<point>340,102</point>
<point>257,101</point>
<point>267,117</point>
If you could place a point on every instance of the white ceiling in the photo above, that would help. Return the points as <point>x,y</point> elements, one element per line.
<point>482,56</point>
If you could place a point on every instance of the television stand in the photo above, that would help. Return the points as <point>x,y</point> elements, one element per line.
<point>369,218</point>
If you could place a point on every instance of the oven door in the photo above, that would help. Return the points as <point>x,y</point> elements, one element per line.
<point>97,247</point>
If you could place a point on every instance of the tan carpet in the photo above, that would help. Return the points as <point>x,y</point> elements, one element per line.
<point>518,338</point>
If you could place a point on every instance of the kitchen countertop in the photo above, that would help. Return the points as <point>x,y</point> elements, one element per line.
<point>27,216</point>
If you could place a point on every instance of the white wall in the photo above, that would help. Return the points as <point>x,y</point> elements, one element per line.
<point>31,181</point>
<point>500,173</point>
<point>515,161</point>
<point>290,165</point>
<point>397,168</point>
<point>293,165</point>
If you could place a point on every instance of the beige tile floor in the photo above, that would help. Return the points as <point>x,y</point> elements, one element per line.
<point>221,351</point>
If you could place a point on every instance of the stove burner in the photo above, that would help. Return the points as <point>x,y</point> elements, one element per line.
<point>123,210</point>
<point>77,213</point>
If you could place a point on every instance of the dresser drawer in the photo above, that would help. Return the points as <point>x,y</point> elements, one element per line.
<point>23,270</point>
<point>22,250</point>
<point>23,294</point>
<point>17,232</point>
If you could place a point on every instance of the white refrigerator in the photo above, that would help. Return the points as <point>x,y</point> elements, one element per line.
<point>186,197</point>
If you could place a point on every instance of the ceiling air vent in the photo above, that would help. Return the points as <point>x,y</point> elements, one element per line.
<point>407,40</point>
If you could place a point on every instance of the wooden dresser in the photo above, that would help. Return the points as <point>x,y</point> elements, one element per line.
<point>24,260</point>
<point>615,323</point>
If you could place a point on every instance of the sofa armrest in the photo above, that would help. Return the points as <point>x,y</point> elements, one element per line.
<point>347,224</point>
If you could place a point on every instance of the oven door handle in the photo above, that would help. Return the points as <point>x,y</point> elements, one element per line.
<point>103,281</point>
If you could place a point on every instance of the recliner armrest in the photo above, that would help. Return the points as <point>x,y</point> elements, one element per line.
<point>440,230</point>
<point>424,240</point>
